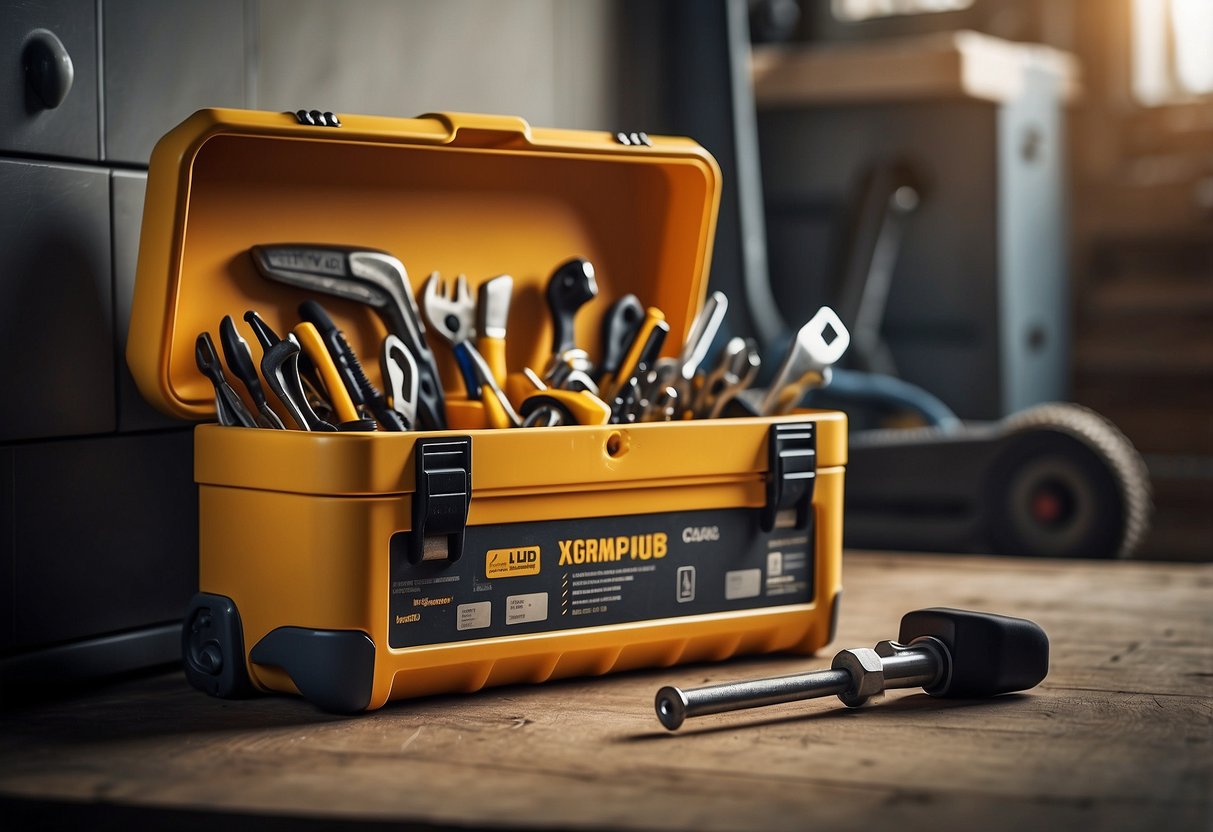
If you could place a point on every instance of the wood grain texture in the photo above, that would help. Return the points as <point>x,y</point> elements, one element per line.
<point>1120,735</point>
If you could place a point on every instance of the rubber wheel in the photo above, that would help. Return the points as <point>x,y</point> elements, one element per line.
<point>212,647</point>
<point>1067,484</point>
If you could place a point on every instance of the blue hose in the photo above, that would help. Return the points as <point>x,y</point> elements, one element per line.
<point>887,391</point>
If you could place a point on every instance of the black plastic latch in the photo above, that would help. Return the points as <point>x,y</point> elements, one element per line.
<point>442,498</point>
<point>792,459</point>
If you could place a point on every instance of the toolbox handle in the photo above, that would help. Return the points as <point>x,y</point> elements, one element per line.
<point>477,130</point>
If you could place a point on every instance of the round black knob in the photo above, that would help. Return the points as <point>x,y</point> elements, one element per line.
<point>48,67</point>
<point>990,654</point>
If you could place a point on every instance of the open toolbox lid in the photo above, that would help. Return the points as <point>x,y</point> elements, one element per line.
<point>447,192</point>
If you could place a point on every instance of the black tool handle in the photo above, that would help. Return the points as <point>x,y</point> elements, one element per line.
<point>268,338</point>
<point>207,359</point>
<point>570,287</point>
<point>619,327</point>
<point>280,366</point>
<point>240,359</point>
<point>990,654</point>
<point>264,332</point>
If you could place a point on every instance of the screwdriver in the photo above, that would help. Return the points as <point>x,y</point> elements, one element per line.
<point>949,653</point>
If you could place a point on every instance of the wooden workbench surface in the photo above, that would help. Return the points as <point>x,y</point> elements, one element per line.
<point>1118,737</point>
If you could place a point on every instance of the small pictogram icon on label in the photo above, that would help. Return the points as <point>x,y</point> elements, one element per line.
<point>686,584</point>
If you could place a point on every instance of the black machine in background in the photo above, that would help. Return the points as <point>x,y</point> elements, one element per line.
<point>1033,477</point>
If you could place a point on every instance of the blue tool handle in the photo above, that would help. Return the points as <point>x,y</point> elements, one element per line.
<point>467,368</point>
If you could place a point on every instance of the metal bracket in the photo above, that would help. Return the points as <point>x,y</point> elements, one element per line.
<point>442,498</point>
<point>317,118</point>
<point>792,473</point>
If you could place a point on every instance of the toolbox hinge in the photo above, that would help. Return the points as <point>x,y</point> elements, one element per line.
<point>317,118</point>
<point>442,498</point>
<point>792,458</point>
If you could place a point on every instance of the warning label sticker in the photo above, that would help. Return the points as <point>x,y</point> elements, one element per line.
<point>607,570</point>
<point>510,563</point>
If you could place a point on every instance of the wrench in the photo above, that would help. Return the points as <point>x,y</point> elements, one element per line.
<point>735,371</point>
<point>400,377</point>
<point>805,365</point>
<point>570,287</point>
<point>451,314</point>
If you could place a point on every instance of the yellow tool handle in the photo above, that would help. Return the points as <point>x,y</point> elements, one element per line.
<point>653,318</point>
<point>583,406</point>
<point>313,345</point>
<point>493,350</point>
<point>494,413</point>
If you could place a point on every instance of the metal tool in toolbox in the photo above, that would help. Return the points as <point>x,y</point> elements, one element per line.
<point>374,278</point>
<point>948,653</point>
<point>629,385</point>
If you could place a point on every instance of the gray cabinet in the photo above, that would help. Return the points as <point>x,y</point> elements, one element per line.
<point>43,32</point>
<point>165,59</point>
<point>56,301</point>
<point>127,188</point>
<point>105,535</point>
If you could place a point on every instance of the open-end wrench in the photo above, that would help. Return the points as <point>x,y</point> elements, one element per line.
<point>805,365</point>
<point>451,314</point>
<point>367,276</point>
<point>400,378</point>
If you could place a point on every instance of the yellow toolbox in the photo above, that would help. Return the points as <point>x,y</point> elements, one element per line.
<point>563,551</point>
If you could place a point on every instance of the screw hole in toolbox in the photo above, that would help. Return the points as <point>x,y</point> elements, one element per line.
<point>616,445</point>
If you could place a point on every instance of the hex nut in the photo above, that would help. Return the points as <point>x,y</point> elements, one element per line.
<point>867,675</point>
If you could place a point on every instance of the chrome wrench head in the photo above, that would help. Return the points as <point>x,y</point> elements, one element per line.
<point>807,362</point>
<point>715,382</point>
<point>703,333</point>
<point>450,309</point>
<point>400,377</point>
<point>742,372</point>
<point>493,306</point>
<point>452,313</point>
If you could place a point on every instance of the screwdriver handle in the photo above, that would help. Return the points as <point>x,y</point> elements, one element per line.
<point>990,654</point>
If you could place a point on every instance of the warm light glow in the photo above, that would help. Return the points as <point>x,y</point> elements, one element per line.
<point>855,10</point>
<point>1172,50</point>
